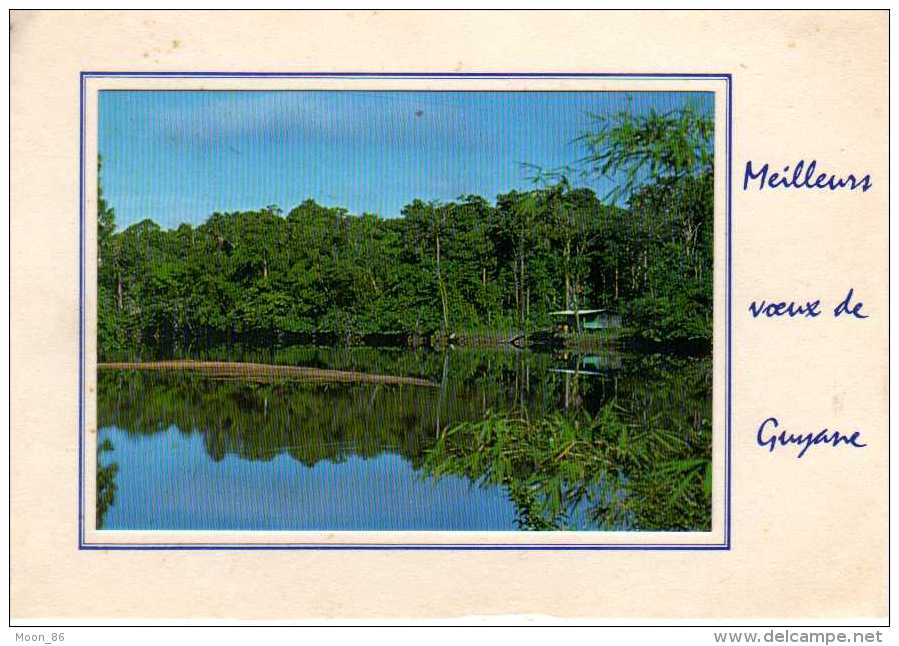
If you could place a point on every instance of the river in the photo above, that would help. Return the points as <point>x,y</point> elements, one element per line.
<point>624,443</point>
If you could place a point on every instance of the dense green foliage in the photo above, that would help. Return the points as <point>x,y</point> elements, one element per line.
<point>440,268</point>
<point>582,471</point>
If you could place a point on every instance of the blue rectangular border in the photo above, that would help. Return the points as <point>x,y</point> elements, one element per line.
<point>725,546</point>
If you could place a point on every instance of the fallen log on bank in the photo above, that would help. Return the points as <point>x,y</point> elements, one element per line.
<point>266,373</point>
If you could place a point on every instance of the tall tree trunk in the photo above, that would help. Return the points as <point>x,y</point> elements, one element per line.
<point>442,290</point>
<point>527,313</point>
<point>521,314</point>
<point>567,262</point>
<point>517,290</point>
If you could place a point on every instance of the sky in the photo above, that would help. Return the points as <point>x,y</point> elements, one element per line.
<point>179,156</point>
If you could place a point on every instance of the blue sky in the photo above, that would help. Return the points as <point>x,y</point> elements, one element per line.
<point>179,156</point>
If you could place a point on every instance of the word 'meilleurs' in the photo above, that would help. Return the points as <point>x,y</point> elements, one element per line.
<point>803,176</point>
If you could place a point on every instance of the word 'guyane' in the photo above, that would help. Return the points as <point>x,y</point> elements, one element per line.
<point>802,177</point>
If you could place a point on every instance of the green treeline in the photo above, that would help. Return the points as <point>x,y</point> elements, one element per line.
<point>441,268</point>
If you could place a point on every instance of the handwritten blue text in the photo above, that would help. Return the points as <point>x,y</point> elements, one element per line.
<point>772,439</point>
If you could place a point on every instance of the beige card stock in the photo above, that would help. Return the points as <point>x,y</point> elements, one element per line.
<point>800,198</point>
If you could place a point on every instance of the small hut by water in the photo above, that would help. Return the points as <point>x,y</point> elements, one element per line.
<point>586,320</point>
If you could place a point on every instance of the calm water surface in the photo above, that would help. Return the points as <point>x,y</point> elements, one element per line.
<point>183,451</point>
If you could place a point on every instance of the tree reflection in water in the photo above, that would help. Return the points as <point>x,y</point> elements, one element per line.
<point>615,441</point>
<point>106,485</point>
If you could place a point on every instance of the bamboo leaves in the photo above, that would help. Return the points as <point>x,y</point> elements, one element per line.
<point>610,466</point>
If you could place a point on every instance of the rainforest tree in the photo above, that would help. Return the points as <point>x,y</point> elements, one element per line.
<point>442,268</point>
